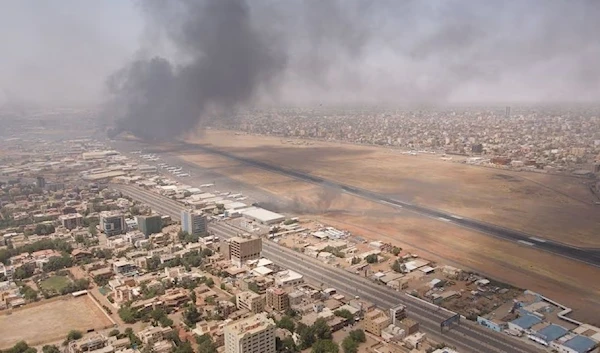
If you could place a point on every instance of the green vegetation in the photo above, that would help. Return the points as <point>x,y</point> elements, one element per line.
<point>287,323</point>
<point>29,293</point>
<point>344,313</point>
<point>50,349</point>
<point>44,229</point>
<point>20,347</point>
<point>191,316</point>
<point>335,252</point>
<point>73,335</point>
<point>325,346</point>
<point>206,344</point>
<point>285,345</point>
<point>358,335</point>
<point>287,222</point>
<point>397,266</point>
<point>55,284</point>
<point>396,250</point>
<point>310,334</point>
<point>356,260</point>
<point>373,258</point>
<point>353,340</point>
<point>44,244</point>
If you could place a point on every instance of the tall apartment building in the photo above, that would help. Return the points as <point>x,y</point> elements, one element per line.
<point>255,334</point>
<point>194,222</point>
<point>149,224</point>
<point>244,249</point>
<point>397,313</point>
<point>112,223</point>
<point>375,321</point>
<point>278,299</point>
<point>255,303</point>
<point>71,220</point>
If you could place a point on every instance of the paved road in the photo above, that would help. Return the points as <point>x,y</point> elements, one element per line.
<point>466,336</point>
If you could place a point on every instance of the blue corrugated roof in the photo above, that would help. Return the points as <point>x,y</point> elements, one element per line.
<point>580,344</point>
<point>526,321</point>
<point>552,332</point>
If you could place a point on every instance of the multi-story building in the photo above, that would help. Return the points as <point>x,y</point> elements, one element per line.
<point>244,249</point>
<point>376,321</point>
<point>250,301</point>
<point>278,299</point>
<point>88,344</point>
<point>112,223</point>
<point>397,314</point>
<point>71,220</point>
<point>194,222</point>
<point>149,224</point>
<point>151,334</point>
<point>255,334</point>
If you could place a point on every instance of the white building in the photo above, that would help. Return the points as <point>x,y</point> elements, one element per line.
<point>255,334</point>
<point>288,278</point>
<point>194,222</point>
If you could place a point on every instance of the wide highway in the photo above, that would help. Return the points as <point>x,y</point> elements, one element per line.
<point>588,256</point>
<point>466,336</point>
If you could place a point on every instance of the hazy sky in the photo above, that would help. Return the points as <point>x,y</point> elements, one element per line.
<point>62,51</point>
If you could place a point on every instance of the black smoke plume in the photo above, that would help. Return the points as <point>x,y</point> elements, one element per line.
<point>227,60</point>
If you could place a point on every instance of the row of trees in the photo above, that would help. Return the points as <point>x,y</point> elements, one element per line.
<point>44,244</point>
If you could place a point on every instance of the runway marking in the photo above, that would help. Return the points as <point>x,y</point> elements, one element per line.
<point>391,204</point>
<point>525,242</point>
<point>455,216</point>
<point>444,219</point>
<point>537,239</point>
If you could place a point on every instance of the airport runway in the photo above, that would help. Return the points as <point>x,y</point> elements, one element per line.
<point>466,336</point>
<point>588,256</point>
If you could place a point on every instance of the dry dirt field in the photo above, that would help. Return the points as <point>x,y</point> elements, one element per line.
<point>548,206</point>
<point>50,320</point>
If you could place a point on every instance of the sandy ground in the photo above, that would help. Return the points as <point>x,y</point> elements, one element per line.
<point>550,206</point>
<point>490,197</point>
<point>50,320</point>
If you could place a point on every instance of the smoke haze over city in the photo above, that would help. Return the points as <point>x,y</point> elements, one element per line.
<point>187,59</point>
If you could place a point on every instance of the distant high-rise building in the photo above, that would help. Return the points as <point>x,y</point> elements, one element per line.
<point>255,334</point>
<point>71,220</point>
<point>507,114</point>
<point>149,224</point>
<point>477,148</point>
<point>112,223</point>
<point>40,182</point>
<point>194,222</point>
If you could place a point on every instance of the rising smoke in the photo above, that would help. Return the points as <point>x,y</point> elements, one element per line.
<point>225,54</point>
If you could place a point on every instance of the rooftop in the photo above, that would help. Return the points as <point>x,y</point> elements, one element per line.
<point>526,321</point>
<point>552,332</point>
<point>580,344</point>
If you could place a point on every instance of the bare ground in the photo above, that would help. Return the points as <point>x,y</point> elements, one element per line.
<point>50,320</point>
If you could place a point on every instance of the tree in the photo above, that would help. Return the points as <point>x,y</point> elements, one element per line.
<point>209,282</point>
<point>358,335</point>
<point>114,332</point>
<point>325,346</point>
<point>50,349</point>
<point>21,347</point>
<point>355,260</point>
<point>127,314</point>
<point>57,263</point>
<point>183,347</point>
<point>74,335</point>
<point>24,271</point>
<point>373,258</point>
<point>253,287</point>
<point>397,266</point>
<point>191,316</point>
<point>206,344</point>
<point>307,335</point>
<point>349,345</point>
<point>285,345</point>
<point>345,313</point>
<point>287,323</point>
<point>321,329</point>
<point>396,250</point>
<point>29,293</point>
